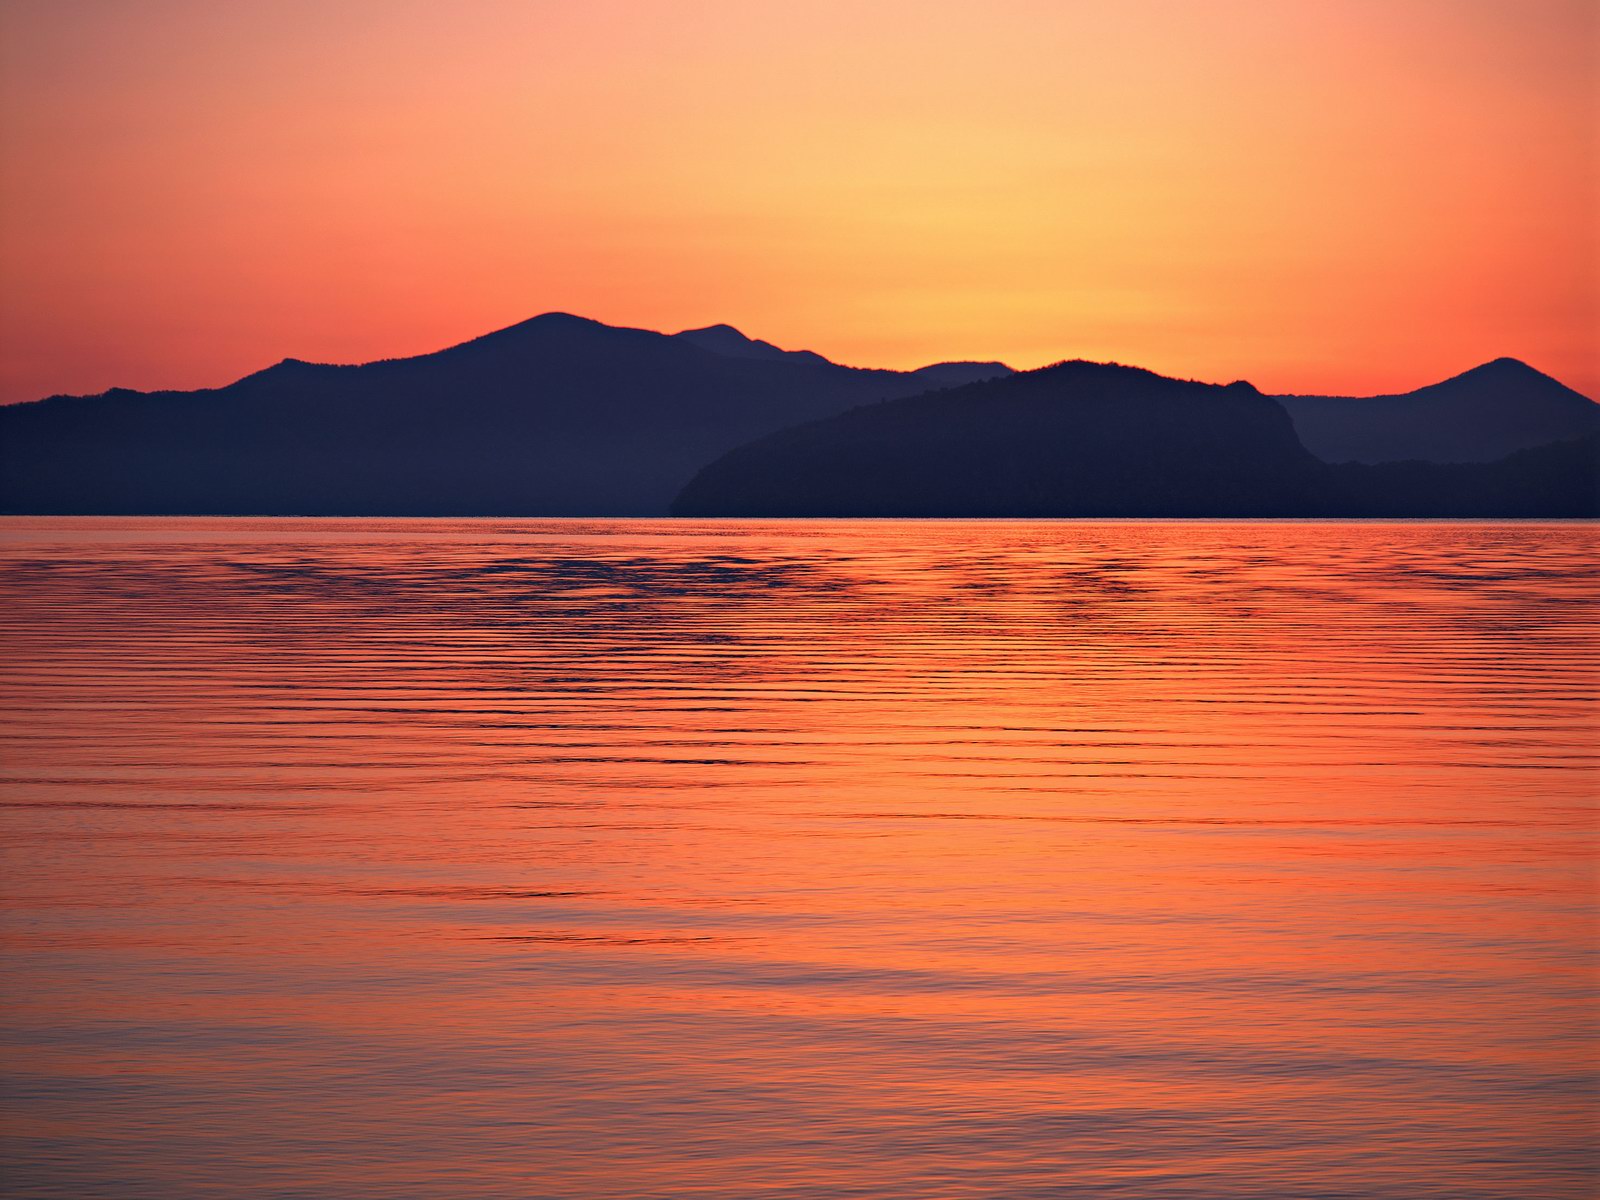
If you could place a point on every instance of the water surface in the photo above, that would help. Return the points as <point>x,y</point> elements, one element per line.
<point>485,860</point>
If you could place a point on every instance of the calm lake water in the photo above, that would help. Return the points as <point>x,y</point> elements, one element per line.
<point>458,860</point>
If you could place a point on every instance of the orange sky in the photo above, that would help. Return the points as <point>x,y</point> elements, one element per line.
<point>1347,195</point>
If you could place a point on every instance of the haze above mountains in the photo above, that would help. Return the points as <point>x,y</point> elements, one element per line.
<point>564,416</point>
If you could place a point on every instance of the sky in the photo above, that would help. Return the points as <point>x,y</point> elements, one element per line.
<point>1348,196</point>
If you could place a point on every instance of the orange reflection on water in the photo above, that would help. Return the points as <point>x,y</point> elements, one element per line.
<point>794,859</point>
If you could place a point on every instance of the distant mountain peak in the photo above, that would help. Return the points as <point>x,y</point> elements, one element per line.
<point>1087,369</point>
<point>561,318</point>
<point>1510,374</point>
<point>956,374</point>
<point>546,328</point>
<point>282,369</point>
<point>718,331</point>
<point>725,339</point>
<point>731,343</point>
<point>1483,414</point>
<point>550,322</point>
<point>1503,368</point>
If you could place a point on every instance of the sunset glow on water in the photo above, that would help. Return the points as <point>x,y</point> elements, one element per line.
<point>792,860</point>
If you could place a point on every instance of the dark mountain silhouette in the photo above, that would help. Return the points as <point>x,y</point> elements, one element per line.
<point>1092,439</point>
<point>556,416</point>
<point>726,340</point>
<point>1561,479</point>
<point>565,416</point>
<point>1078,438</point>
<point>1479,416</point>
<point>954,374</point>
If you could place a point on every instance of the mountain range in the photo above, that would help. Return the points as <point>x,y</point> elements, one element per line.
<point>556,416</point>
<point>564,416</point>
<point>1102,440</point>
<point>1478,416</point>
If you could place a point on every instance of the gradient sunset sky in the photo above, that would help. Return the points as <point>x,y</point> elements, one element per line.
<point>1335,195</point>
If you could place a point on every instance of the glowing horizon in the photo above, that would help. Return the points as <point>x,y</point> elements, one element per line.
<point>1360,199</point>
